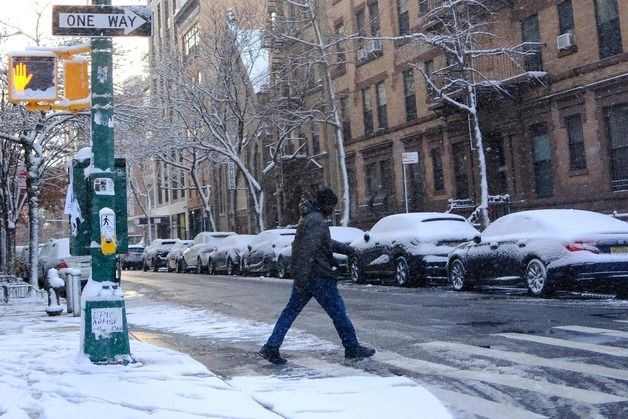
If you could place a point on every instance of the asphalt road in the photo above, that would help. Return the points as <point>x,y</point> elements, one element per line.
<point>494,353</point>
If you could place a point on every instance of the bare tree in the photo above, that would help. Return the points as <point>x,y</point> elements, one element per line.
<point>209,103</point>
<point>306,54</point>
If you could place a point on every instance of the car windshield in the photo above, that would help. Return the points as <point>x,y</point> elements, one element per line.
<point>136,250</point>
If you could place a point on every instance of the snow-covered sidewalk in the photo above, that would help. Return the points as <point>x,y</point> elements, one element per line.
<point>43,375</point>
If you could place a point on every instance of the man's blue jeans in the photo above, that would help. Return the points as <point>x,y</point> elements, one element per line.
<point>325,291</point>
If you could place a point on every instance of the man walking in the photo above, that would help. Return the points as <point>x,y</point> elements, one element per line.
<point>312,261</point>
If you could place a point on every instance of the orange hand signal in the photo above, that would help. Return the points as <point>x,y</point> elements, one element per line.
<point>20,77</point>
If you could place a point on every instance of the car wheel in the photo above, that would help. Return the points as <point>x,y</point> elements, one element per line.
<point>230,267</point>
<point>402,272</point>
<point>266,270</point>
<point>178,268</point>
<point>458,276</point>
<point>355,271</point>
<point>536,278</point>
<point>199,266</point>
<point>155,267</point>
<point>211,269</point>
<point>281,268</point>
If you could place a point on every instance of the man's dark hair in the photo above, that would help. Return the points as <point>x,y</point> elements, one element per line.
<point>325,200</point>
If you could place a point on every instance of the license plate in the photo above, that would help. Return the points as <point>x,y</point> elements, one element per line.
<point>619,249</point>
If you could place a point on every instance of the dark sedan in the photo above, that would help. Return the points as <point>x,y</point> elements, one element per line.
<point>409,248</point>
<point>261,255</point>
<point>546,250</point>
<point>341,234</point>
<point>156,253</point>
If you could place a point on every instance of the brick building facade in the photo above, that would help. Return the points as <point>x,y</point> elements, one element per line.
<point>556,136</point>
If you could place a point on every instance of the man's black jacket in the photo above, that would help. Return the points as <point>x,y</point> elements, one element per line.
<point>313,248</point>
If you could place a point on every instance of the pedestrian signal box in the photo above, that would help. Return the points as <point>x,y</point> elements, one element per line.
<point>32,77</point>
<point>75,79</point>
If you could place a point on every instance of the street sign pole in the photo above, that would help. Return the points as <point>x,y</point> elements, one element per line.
<point>105,331</point>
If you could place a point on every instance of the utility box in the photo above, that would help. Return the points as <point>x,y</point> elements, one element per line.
<point>80,242</point>
<point>122,227</point>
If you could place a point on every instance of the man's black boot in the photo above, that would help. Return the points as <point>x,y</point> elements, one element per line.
<point>359,352</point>
<point>272,355</point>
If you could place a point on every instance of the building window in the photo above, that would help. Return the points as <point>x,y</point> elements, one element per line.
<point>316,142</point>
<point>542,156</point>
<point>461,170</point>
<point>617,123</point>
<point>577,158</point>
<point>608,29</point>
<point>367,111</point>
<point>530,32</point>
<point>341,58</point>
<point>360,22</point>
<point>382,113</point>
<point>428,69</point>
<point>409,94</point>
<point>404,17</point>
<point>437,169</point>
<point>565,17</point>
<point>190,42</point>
<point>374,16</point>
<point>346,118</point>
<point>423,6</point>
<point>379,185</point>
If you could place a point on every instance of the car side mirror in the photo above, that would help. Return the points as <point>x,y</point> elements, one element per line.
<point>367,237</point>
<point>249,247</point>
<point>477,239</point>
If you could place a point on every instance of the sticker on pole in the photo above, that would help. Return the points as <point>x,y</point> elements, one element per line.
<point>106,321</point>
<point>104,186</point>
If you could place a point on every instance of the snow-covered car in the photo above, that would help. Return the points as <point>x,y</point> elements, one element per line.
<point>545,250</point>
<point>55,253</point>
<point>228,255</point>
<point>197,257</point>
<point>344,235</point>
<point>133,258</point>
<point>174,260</point>
<point>156,252</point>
<point>409,248</point>
<point>262,252</point>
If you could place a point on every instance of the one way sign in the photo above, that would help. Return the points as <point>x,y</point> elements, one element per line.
<point>102,20</point>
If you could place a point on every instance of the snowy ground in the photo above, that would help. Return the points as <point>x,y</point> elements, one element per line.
<point>44,375</point>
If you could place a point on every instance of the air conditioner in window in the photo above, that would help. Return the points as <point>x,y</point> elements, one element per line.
<point>375,45</point>
<point>565,40</point>
<point>362,54</point>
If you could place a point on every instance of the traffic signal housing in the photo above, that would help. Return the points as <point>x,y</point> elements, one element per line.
<point>32,77</point>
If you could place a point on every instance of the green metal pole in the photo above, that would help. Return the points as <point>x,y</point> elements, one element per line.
<point>105,330</point>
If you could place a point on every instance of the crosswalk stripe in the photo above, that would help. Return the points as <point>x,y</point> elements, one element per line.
<point>479,406</point>
<point>595,330</point>
<point>548,389</point>
<point>527,359</point>
<point>591,347</point>
<point>452,399</point>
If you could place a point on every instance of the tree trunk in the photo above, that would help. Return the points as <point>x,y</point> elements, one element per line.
<point>33,191</point>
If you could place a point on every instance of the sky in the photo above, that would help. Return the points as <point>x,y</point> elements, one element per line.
<point>44,374</point>
<point>22,13</point>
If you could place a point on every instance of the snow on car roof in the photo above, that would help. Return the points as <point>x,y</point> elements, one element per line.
<point>345,234</point>
<point>573,221</point>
